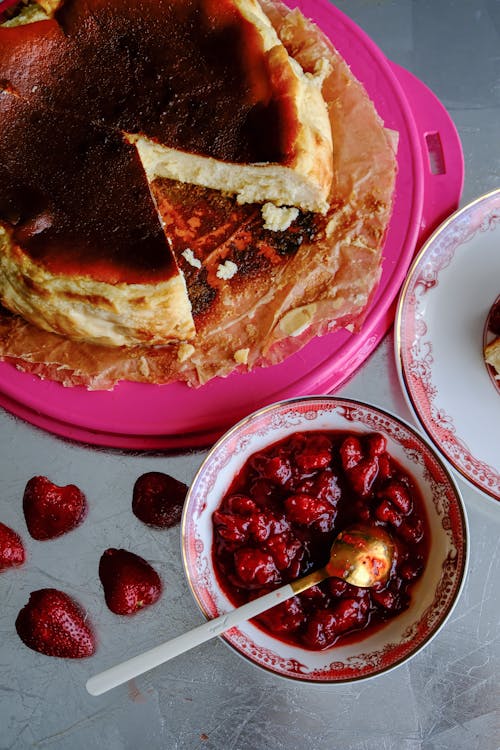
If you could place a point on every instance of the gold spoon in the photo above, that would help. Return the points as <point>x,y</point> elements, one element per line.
<point>361,555</point>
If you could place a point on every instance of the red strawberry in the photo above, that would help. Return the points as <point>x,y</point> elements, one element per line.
<point>398,495</point>
<point>305,510</point>
<point>316,454</point>
<point>375,444</point>
<point>255,567</point>
<point>275,468</point>
<point>387,513</point>
<point>158,499</point>
<point>129,582</point>
<point>51,511</point>
<point>231,528</point>
<point>362,476</point>
<point>11,548</point>
<point>351,452</point>
<point>54,624</point>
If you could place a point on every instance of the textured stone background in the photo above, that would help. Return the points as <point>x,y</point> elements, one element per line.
<point>446,698</point>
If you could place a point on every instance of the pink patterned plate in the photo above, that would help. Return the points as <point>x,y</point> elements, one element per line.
<point>434,595</point>
<point>441,317</point>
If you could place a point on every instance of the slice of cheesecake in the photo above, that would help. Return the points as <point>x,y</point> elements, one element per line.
<point>283,152</point>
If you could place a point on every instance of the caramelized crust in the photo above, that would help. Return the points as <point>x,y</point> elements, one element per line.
<point>204,77</point>
<point>96,219</point>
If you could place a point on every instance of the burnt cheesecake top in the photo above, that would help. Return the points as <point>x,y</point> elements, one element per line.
<point>192,75</point>
<point>96,218</point>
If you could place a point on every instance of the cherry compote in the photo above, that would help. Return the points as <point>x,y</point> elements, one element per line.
<point>281,514</point>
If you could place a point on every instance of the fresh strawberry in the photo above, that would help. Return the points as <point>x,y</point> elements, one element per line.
<point>11,548</point>
<point>129,582</point>
<point>54,624</point>
<point>158,499</point>
<point>51,511</point>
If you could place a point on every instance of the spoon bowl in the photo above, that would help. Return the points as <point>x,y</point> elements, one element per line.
<point>362,555</point>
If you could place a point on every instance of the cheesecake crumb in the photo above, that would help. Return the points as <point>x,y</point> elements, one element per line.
<point>278,218</point>
<point>184,352</point>
<point>241,356</point>
<point>226,270</point>
<point>191,258</point>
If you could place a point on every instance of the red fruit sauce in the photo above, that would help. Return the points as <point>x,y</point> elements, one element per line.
<point>281,514</point>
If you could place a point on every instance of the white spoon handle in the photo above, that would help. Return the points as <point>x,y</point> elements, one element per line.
<point>119,674</point>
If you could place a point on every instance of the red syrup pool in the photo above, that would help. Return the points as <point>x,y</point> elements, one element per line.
<point>281,514</point>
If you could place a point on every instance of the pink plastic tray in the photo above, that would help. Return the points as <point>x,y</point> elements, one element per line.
<point>173,417</point>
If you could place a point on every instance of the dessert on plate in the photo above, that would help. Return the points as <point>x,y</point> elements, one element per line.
<point>492,340</point>
<point>195,189</point>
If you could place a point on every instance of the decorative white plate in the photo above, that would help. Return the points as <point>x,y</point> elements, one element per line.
<point>439,331</point>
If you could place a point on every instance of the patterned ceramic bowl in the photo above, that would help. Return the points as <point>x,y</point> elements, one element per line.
<point>433,595</point>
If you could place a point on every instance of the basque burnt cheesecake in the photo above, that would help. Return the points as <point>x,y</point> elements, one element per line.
<point>201,92</point>
<point>188,216</point>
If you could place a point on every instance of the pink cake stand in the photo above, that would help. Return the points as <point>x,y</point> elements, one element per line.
<point>174,417</point>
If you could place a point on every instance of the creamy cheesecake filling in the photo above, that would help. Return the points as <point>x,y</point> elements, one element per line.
<point>252,183</point>
<point>94,311</point>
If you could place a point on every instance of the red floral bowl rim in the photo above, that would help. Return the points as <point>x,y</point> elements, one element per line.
<point>449,531</point>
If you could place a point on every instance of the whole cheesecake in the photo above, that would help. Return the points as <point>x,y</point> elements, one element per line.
<point>185,213</point>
